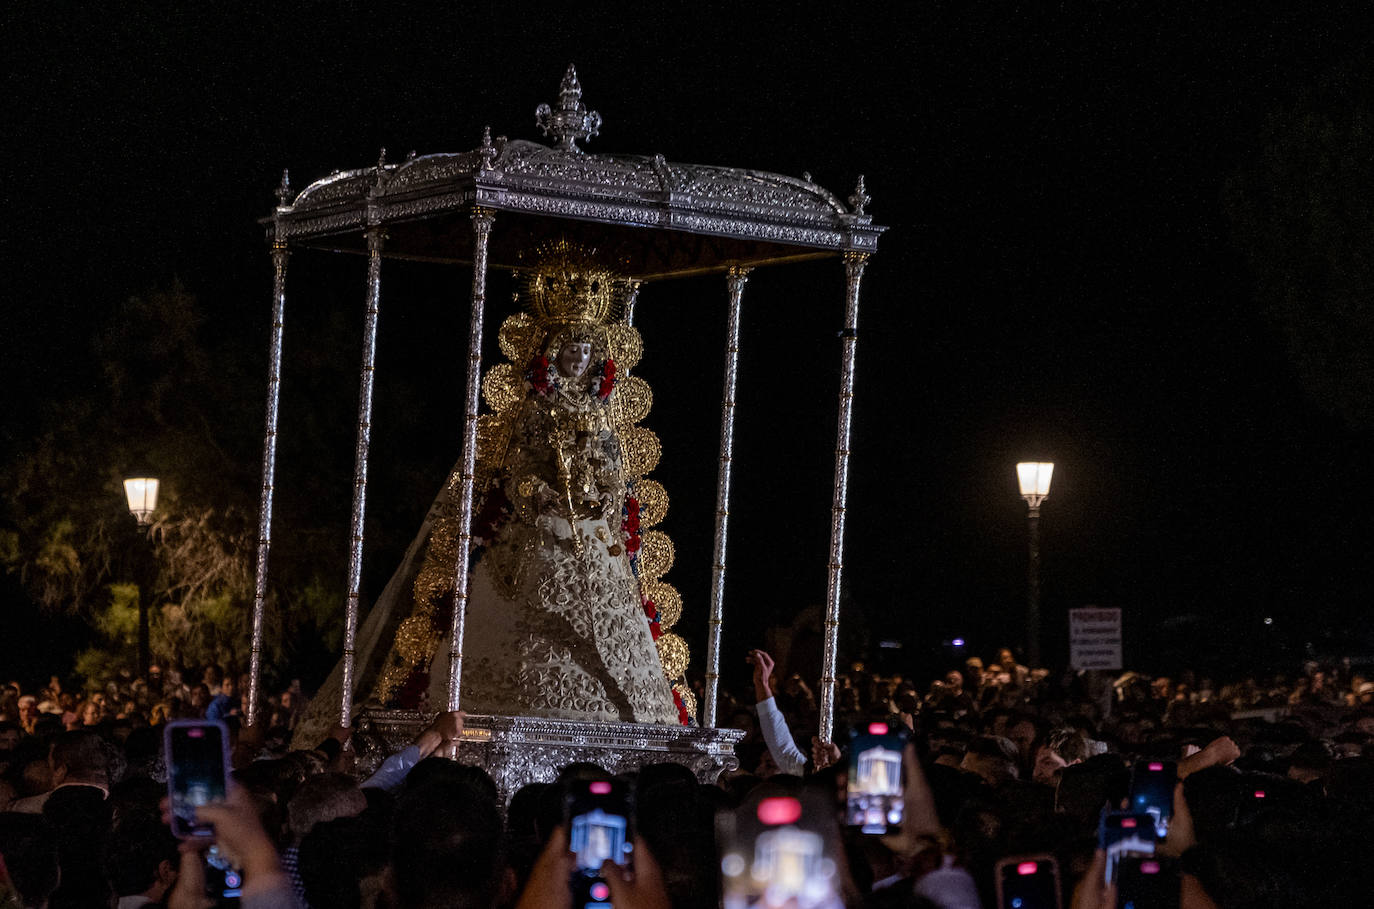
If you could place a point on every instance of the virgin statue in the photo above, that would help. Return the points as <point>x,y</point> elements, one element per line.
<point>566,610</point>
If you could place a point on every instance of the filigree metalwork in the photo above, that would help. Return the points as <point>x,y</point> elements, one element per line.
<point>666,598</point>
<point>625,345</point>
<point>642,450</point>
<point>689,700</point>
<point>656,555</point>
<point>653,502</point>
<point>672,649</point>
<point>571,121</point>
<point>517,337</point>
<point>521,750</point>
<point>635,398</point>
<point>501,388</point>
<point>860,198</point>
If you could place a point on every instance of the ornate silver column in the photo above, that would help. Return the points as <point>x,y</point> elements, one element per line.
<point>854,271</point>
<point>736,278</point>
<point>269,464</point>
<point>631,298</point>
<point>481,232</point>
<point>375,239</point>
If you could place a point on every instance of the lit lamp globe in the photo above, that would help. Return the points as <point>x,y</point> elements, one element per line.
<point>141,493</point>
<point>1034,477</point>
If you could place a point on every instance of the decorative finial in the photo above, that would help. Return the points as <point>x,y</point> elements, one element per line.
<point>488,151</point>
<point>283,192</point>
<point>860,198</point>
<point>411,156</point>
<point>806,175</point>
<point>571,121</point>
<point>381,170</point>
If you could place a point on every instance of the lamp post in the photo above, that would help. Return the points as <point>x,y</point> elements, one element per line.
<point>141,494</point>
<point>1034,477</point>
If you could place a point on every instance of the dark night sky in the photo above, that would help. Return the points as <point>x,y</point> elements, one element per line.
<point>1059,279</point>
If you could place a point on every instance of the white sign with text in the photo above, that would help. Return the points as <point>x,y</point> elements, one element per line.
<point>1095,638</point>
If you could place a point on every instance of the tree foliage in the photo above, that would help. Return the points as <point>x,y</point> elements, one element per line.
<point>152,396</point>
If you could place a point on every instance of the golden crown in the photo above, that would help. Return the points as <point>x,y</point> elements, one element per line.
<point>568,286</point>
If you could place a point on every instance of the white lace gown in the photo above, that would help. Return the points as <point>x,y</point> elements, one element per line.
<point>555,625</point>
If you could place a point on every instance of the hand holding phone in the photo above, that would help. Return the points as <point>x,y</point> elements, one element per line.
<point>779,849</point>
<point>197,757</point>
<point>1125,833</point>
<point>874,798</point>
<point>1027,882</point>
<point>600,829</point>
<point>1147,882</point>
<point>1152,791</point>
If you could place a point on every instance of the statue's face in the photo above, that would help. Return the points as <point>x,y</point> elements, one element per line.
<point>574,357</point>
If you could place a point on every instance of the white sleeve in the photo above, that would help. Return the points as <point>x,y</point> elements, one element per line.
<point>393,771</point>
<point>785,753</point>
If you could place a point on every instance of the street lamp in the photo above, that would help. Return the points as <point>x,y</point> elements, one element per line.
<point>141,494</point>
<point>1034,477</point>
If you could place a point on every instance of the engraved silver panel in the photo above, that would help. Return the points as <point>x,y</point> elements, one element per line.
<point>520,750</point>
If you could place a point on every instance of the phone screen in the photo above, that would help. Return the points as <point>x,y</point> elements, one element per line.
<point>197,755</point>
<point>1147,882</point>
<point>599,816</point>
<point>873,800</point>
<point>779,850</point>
<point>1152,791</point>
<point>1028,882</point>
<point>1123,833</point>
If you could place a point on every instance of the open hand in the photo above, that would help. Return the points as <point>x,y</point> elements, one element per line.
<point>763,674</point>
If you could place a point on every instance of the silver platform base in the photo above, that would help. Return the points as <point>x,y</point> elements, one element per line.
<point>520,750</point>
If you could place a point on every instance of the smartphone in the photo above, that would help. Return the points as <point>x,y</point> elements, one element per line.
<point>1147,882</point>
<point>599,814</point>
<point>1152,791</point>
<point>223,882</point>
<point>1125,833</point>
<point>1027,882</point>
<point>874,794</point>
<point>779,849</point>
<point>197,757</point>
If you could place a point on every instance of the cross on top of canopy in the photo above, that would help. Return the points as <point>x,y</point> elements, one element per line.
<point>653,218</point>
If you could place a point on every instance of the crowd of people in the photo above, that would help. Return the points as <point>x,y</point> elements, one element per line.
<point>1274,806</point>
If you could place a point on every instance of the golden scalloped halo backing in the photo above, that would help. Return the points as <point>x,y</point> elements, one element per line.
<point>689,700</point>
<point>517,336</point>
<point>673,651</point>
<point>502,389</point>
<point>655,554</point>
<point>653,502</point>
<point>624,345</point>
<point>641,450</point>
<point>666,598</point>
<point>632,399</point>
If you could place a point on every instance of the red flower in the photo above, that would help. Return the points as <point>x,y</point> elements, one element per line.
<point>607,380</point>
<point>650,609</point>
<point>681,710</point>
<point>631,544</point>
<point>538,374</point>
<point>655,629</point>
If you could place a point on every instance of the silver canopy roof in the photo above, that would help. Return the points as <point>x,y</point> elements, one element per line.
<point>653,218</point>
